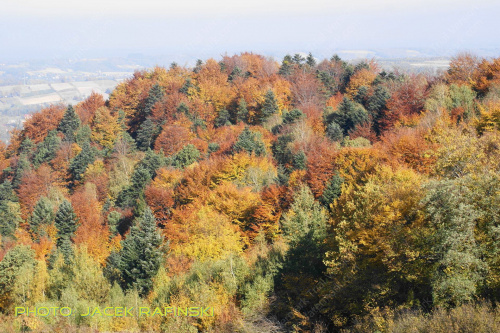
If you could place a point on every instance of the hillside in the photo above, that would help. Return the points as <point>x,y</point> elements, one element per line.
<point>292,196</point>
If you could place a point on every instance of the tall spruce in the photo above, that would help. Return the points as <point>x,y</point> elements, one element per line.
<point>269,107</point>
<point>155,94</point>
<point>251,142</point>
<point>43,214</point>
<point>69,124</point>
<point>81,161</point>
<point>66,222</point>
<point>146,135</point>
<point>141,254</point>
<point>47,150</point>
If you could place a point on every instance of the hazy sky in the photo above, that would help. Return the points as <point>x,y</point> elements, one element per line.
<point>199,28</point>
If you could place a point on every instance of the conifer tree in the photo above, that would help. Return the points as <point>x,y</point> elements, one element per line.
<point>146,134</point>
<point>187,156</point>
<point>65,222</point>
<point>242,111</point>
<point>69,124</point>
<point>43,214</point>
<point>332,191</point>
<point>269,107</point>
<point>23,166</point>
<point>141,254</point>
<point>250,142</point>
<point>79,164</point>
<point>155,94</point>
<point>47,149</point>
<point>10,215</point>
<point>310,60</point>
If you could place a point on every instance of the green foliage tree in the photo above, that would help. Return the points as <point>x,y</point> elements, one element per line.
<point>348,115</point>
<point>43,214</point>
<point>269,107</point>
<point>223,118</point>
<point>186,156</point>
<point>22,166</point>
<point>146,134</point>
<point>250,142</point>
<point>79,164</point>
<point>242,111</point>
<point>141,254</point>
<point>66,222</point>
<point>10,214</point>
<point>47,149</point>
<point>155,94</point>
<point>69,124</point>
<point>332,191</point>
<point>10,268</point>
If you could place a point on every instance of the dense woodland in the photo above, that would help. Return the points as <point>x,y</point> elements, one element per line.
<point>292,196</point>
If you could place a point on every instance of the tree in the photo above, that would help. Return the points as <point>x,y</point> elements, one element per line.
<point>242,111</point>
<point>332,191</point>
<point>187,156</point>
<point>334,132</point>
<point>43,215</point>
<point>269,107</point>
<point>286,66</point>
<point>250,142</point>
<point>155,94</point>
<point>141,254</point>
<point>10,268</point>
<point>348,115</point>
<point>47,150</point>
<point>69,124</point>
<point>66,222</point>
<point>81,161</point>
<point>22,167</point>
<point>223,119</point>
<point>310,61</point>
<point>10,214</point>
<point>146,134</point>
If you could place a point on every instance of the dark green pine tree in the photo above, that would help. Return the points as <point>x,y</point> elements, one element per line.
<point>185,87</point>
<point>332,191</point>
<point>187,156</point>
<point>27,147</point>
<point>286,66</point>
<point>141,254</point>
<point>310,61</point>
<point>23,166</point>
<point>47,149</point>
<point>250,142</point>
<point>69,124</point>
<point>81,161</point>
<point>9,215</point>
<point>236,72</point>
<point>292,116</point>
<point>300,161</point>
<point>155,94</point>
<point>152,162</point>
<point>43,214</point>
<point>183,108</point>
<point>269,107</point>
<point>242,111</point>
<point>334,132</point>
<point>223,118</point>
<point>376,104</point>
<point>146,135</point>
<point>348,115</point>
<point>65,222</point>
<point>129,195</point>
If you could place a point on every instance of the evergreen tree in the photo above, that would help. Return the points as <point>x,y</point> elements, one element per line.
<point>11,267</point>
<point>23,166</point>
<point>236,72</point>
<point>65,222</point>
<point>27,147</point>
<point>43,214</point>
<point>10,213</point>
<point>250,142</point>
<point>242,111</point>
<point>183,109</point>
<point>300,161</point>
<point>186,86</point>
<point>223,119</point>
<point>155,94</point>
<point>281,149</point>
<point>141,254</point>
<point>81,161</point>
<point>186,156</point>
<point>146,135</point>
<point>286,66</point>
<point>292,116</point>
<point>269,107</point>
<point>47,149</point>
<point>348,115</point>
<point>83,134</point>
<point>310,61</point>
<point>332,191</point>
<point>129,195</point>
<point>375,104</point>
<point>69,124</point>
<point>152,161</point>
<point>334,132</point>
<point>298,59</point>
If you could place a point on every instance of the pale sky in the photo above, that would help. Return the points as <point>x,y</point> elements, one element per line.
<point>91,28</point>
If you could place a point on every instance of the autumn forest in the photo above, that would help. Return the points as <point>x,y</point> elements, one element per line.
<point>299,195</point>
